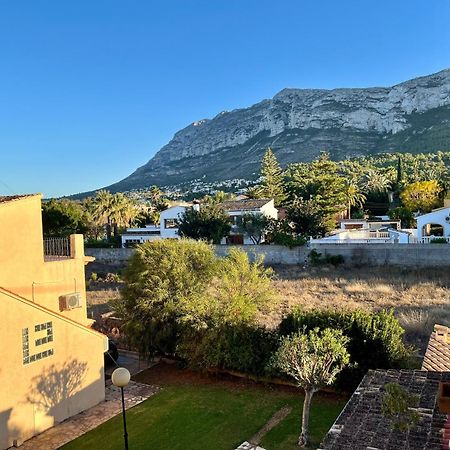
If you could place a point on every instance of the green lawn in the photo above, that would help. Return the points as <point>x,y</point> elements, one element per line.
<point>209,416</point>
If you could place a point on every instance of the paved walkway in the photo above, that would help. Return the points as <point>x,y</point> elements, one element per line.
<point>75,426</point>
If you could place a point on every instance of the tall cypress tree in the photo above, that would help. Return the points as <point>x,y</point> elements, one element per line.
<point>272,185</point>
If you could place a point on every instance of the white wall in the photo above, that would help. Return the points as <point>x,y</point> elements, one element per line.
<point>435,217</point>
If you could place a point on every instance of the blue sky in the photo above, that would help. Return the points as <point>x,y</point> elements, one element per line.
<point>90,90</point>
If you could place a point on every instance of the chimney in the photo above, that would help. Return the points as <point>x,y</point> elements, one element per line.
<point>442,334</point>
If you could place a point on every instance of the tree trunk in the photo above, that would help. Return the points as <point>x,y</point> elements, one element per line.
<point>303,439</point>
<point>108,231</point>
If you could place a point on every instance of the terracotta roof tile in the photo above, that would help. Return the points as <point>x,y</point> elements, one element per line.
<point>437,356</point>
<point>361,425</point>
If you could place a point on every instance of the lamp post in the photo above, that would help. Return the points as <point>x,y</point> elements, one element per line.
<point>120,378</point>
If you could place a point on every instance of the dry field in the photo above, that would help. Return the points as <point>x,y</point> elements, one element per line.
<point>420,298</point>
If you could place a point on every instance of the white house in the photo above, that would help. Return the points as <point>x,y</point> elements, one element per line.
<point>167,228</point>
<point>237,208</point>
<point>367,236</point>
<point>435,224</point>
<point>372,225</point>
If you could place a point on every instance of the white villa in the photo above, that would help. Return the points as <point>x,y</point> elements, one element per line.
<point>168,226</point>
<point>237,208</point>
<point>430,226</point>
<point>435,224</point>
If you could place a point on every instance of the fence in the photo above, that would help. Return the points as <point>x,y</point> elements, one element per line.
<point>57,248</point>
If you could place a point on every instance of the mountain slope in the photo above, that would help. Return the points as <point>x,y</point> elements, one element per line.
<point>298,124</point>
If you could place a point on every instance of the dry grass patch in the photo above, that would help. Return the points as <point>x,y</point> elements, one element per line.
<point>420,298</point>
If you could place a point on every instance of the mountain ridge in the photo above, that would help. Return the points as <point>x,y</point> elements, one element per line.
<point>300,123</point>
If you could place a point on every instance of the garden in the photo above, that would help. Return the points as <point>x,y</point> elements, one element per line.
<point>198,411</point>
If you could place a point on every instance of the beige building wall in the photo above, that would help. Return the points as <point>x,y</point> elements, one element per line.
<point>52,362</point>
<point>23,268</point>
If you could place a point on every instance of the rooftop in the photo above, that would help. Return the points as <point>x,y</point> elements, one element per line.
<point>246,204</point>
<point>362,426</point>
<point>437,356</point>
<point>10,198</point>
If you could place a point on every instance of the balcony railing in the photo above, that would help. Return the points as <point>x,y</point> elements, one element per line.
<point>57,248</point>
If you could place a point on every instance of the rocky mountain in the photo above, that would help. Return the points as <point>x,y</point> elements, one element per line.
<point>298,124</point>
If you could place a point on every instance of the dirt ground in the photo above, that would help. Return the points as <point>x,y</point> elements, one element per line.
<point>173,373</point>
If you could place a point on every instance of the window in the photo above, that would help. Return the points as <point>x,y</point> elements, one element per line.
<point>170,223</point>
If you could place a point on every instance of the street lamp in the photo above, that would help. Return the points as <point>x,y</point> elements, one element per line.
<point>120,378</point>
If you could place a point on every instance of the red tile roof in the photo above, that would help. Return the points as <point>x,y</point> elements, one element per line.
<point>437,356</point>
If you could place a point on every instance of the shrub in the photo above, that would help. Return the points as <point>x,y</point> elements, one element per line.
<point>316,259</point>
<point>375,339</point>
<point>438,241</point>
<point>243,348</point>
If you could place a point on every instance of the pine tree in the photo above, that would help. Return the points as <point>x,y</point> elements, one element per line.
<point>272,185</point>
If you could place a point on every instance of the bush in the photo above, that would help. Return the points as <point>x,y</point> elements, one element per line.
<point>242,348</point>
<point>376,339</point>
<point>315,259</point>
<point>438,241</point>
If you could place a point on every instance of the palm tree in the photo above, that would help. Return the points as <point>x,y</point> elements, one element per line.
<point>354,195</point>
<point>375,181</point>
<point>102,210</point>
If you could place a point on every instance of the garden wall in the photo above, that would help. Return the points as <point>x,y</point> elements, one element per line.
<point>408,255</point>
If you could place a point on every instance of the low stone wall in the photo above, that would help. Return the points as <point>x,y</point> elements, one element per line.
<point>408,255</point>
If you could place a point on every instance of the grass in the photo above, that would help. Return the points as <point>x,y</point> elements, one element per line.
<point>211,415</point>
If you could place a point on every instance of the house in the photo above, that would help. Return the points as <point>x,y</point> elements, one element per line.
<point>435,224</point>
<point>367,236</point>
<point>52,360</point>
<point>362,426</point>
<point>437,355</point>
<point>371,225</point>
<point>167,228</point>
<point>237,208</point>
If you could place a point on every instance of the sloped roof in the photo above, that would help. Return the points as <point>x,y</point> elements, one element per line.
<point>10,198</point>
<point>246,204</point>
<point>362,426</point>
<point>437,356</point>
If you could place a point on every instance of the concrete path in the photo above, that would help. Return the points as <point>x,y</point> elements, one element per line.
<point>75,426</point>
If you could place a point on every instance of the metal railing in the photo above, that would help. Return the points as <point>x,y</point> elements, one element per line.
<point>57,248</point>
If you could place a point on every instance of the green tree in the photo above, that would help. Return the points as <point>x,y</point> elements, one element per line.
<point>209,222</point>
<point>321,183</point>
<point>313,360</point>
<point>63,217</point>
<point>272,184</point>
<point>307,218</point>
<point>398,406</point>
<point>253,226</point>
<point>165,283</point>
<point>422,196</point>
<point>404,215</point>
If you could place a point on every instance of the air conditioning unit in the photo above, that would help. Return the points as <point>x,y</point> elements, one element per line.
<point>70,301</point>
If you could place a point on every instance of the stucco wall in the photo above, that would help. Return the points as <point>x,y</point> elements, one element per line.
<point>409,255</point>
<point>34,395</point>
<point>23,269</point>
